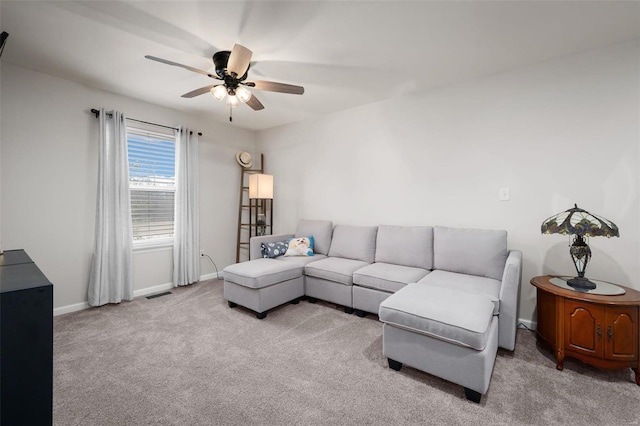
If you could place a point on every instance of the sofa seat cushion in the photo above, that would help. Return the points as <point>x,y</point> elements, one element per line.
<point>336,269</point>
<point>387,277</point>
<point>261,273</point>
<point>301,260</point>
<point>451,315</point>
<point>466,283</point>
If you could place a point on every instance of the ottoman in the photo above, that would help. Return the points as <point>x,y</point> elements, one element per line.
<point>262,284</point>
<point>445,332</point>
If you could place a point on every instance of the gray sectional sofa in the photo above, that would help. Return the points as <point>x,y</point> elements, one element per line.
<point>447,297</point>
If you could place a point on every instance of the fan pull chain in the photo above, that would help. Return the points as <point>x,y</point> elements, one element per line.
<point>230,111</point>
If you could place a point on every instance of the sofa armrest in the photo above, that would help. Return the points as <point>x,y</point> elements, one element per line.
<point>254,243</point>
<point>509,292</point>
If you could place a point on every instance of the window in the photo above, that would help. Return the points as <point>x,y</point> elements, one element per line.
<point>152,183</point>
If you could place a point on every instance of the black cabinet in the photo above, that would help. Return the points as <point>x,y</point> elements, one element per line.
<point>26,342</point>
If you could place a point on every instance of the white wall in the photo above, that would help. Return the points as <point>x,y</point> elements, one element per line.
<point>49,173</point>
<point>556,134</point>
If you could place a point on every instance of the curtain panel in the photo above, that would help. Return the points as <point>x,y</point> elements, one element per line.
<point>111,277</point>
<point>186,241</point>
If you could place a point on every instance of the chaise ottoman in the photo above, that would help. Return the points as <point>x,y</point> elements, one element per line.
<point>263,284</point>
<point>445,332</point>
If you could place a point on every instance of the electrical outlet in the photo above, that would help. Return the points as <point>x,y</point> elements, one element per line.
<point>505,194</point>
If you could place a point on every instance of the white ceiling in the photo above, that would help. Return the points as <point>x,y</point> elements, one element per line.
<point>345,53</point>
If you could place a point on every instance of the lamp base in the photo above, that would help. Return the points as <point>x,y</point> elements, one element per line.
<point>581,283</point>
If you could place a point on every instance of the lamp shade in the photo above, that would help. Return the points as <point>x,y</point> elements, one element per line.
<point>261,186</point>
<point>232,101</point>
<point>219,92</point>
<point>577,221</point>
<point>243,94</point>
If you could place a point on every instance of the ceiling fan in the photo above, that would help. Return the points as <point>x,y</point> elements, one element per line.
<point>231,67</point>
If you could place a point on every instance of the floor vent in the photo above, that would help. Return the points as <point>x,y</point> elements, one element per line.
<point>164,293</point>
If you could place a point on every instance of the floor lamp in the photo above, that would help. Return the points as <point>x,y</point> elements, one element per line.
<point>261,190</point>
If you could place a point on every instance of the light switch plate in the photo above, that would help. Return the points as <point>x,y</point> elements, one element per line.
<point>505,194</point>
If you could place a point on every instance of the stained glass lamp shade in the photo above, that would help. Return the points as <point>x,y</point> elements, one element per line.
<point>580,223</point>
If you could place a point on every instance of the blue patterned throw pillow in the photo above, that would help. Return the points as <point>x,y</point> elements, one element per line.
<point>275,249</point>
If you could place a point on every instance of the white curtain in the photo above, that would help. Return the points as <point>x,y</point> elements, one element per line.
<point>186,241</point>
<point>111,279</point>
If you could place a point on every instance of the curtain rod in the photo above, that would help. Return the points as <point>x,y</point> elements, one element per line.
<point>96,112</point>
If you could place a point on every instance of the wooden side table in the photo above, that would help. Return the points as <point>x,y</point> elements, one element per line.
<point>600,330</point>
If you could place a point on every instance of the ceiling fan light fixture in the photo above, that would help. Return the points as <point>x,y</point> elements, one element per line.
<point>219,92</point>
<point>231,68</point>
<point>243,94</point>
<point>232,101</point>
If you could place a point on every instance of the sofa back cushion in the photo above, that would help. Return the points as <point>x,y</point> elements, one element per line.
<point>321,231</point>
<point>354,242</point>
<point>405,245</point>
<point>470,251</point>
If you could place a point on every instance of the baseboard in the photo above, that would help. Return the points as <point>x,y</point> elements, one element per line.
<point>212,276</point>
<point>70,308</point>
<point>531,325</point>
<point>136,293</point>
<point>151,290</point>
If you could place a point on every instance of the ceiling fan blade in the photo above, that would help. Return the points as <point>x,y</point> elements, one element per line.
<point>239,60</point>
<point>175,64</point>
<point>254,103</point>
<point>200,91</point>
<point>271,86</point>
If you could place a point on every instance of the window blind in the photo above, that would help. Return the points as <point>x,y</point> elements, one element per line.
<point>152,183</point>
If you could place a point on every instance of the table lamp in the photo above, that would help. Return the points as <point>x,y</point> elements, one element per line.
<point>580,223</point>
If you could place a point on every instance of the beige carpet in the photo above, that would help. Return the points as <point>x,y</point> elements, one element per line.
<point>188,359</point>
